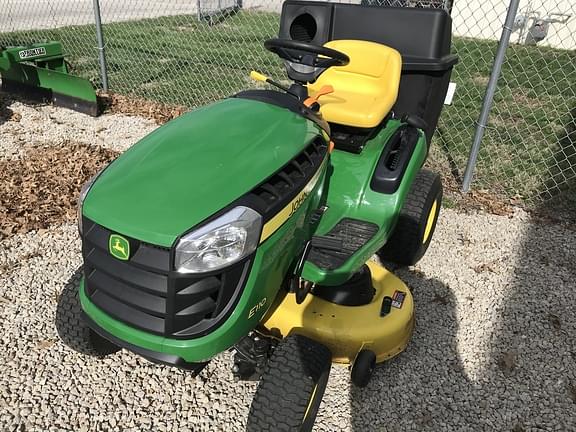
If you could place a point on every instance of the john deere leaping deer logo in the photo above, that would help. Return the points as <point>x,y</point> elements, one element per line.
<point>119,247</point>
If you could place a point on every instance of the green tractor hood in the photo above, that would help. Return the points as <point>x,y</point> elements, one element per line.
<point>194,166</point>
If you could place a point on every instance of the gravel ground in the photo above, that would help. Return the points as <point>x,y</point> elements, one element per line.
<point>494,347</point>
<point>37,126</point>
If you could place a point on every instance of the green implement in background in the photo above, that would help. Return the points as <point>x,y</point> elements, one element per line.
<point>39,71</point>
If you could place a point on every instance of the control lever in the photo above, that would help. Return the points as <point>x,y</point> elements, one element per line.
<point>257,76</point>
<point>415,121</point>
<point>324,90</point>
<point>300,287</point>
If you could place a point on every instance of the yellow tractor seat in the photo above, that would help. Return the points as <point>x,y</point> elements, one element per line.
<point>365,89</point>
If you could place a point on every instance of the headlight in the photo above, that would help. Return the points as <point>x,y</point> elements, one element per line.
<point>218,244</point>
<point>83,192</point>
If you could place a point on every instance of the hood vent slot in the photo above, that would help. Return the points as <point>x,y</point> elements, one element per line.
<point>279,189</point>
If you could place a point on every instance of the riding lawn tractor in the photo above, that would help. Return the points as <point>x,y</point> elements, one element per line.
<point>249,224</point>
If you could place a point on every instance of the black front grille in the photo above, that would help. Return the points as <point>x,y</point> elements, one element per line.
<point>145,293</point>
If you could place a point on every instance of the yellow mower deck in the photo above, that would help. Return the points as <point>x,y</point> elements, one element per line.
<point>346,330</point>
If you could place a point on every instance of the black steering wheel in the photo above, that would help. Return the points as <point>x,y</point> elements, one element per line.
<point>306,53</point>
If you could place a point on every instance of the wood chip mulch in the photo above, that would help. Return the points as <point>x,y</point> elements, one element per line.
<point>42,188</point>
<point>130,105</point>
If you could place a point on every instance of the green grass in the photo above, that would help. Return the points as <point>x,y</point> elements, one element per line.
<point>171,59</point>
<point>528,126</point>
<point>182,61</point>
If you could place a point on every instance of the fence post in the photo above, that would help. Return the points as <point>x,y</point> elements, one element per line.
<point>490,91</point>
<point>100,40</point>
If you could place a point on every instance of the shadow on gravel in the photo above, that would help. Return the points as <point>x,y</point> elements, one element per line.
<point>536,329</point>
<point>536,326</point>
<point>429,370</point>
<point>7,99</point>
<point>526,375</point>
<point>534,338</point>
<point>6,114</point>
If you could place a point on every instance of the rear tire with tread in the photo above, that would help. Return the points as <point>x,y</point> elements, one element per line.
<point>291,387</point>
<point>409,240</point>
<point>72,329</point>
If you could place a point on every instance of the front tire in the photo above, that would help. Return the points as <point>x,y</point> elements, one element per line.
<point>417,221</point>
<point>363,368</point>
<point>291,388</point>
<point>72,329</point>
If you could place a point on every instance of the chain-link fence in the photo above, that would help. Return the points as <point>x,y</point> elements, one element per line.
<point>529,145</point>
<point>194,52</point>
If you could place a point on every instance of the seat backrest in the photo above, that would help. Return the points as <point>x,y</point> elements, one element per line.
<point>365,89</point>
<point>422,36</point>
